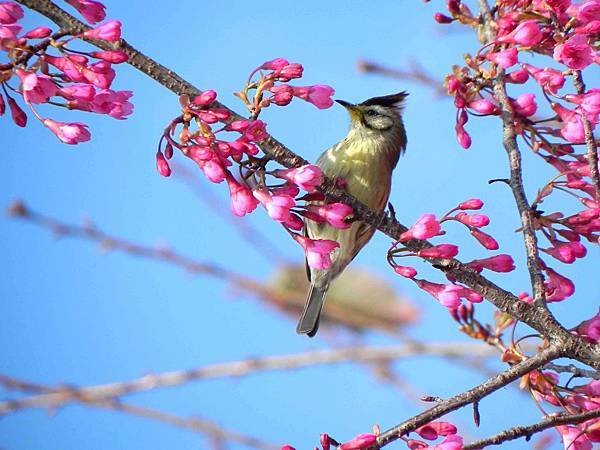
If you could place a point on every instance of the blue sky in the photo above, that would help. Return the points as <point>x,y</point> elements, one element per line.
<point>73,314</point>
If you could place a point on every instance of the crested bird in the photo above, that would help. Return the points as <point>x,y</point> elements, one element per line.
<point>364,161</point>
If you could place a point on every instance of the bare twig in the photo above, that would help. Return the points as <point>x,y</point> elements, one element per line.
<point>470,396</point>
<point>505,301</point>
<point>528,430</point>
<point>574,370</point>
<point>63,396</point>
<point>194,424</point>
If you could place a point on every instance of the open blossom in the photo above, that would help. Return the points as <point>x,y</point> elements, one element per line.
<point>499,263</point>
<point>424,228</point>
<point>36,88</point>
<point>575,53</point>
<point>360,442</point>
<point>504,58</point>
<point>590,329</point>
<point>242,200</point>
<point>109,31</point>
<point>557,287</point>
<point>277,206</point>
<point>91,10</point>
<point>319,95</point>
<point>574,438</point>
<point>550,79</point>
<point>317,251</point>
<point>572,129</point>
<point>69,133</point>
<point>452,442</point>
<point>307,177</point>
<point>566,252</point>
<point>527,33</point>
<point>589,103</point>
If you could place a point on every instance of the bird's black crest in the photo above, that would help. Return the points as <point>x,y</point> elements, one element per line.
<point>387,100</point>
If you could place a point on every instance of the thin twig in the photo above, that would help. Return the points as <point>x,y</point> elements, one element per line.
<point>528,430</point>
<point>470,396</point>
<point>574,370</point>
<point>110,391</point>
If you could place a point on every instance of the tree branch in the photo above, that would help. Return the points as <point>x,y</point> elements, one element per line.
<point>502,299</point>
<point>62,396</point>
<point>472,395</point>
<point>528,430</point>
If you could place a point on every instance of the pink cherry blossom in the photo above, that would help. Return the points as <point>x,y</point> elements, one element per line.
<point>557,287</point>
<point>307,177</point>
<point>111,56</point>
<point>335,214</point>
<point>289,72</point>
<point>100,74</point>
<point>550,79</point>
<point>162,166</point>
<point>275,64</point>
<point>473,203</point>
<point>360,442</point>
<point>38,33</point>
<point>439,251</point>
<point>277,206</point>
<point>572,129</point>
<point>442,18</point>
<point>319,95</point>
<point>518,76</point>
<point>433,430</point>
<point>575,53</point>
<point>72,69</point>
<point>566,252</point>
<point>317,251</point>
<point>405,271</point>
<point>499,263</point>
<point>282,94</point>
<point>504,58</point>
<point>573,438</point>
<point>590,329</point>
<point>91,10</point>
<point>424,228</point>
<point>10,13</point>
<point>205,99</point>
<point>448,295</point>
<point>527,33</point>
<point>483,106</point>
<point>589,103</point>
<point>2,106</point>
<point>525,105</point>
<point>473,220</point>
<point>77,91</point>
<point>109,31</point>
<point>113,103</point>
<point>18,115</point>
<point>242,200</point>
<point>464,139</point>
<point>452,442</point>
<point>69,133</point>
<point>36,88</point>
<point>485,239</point>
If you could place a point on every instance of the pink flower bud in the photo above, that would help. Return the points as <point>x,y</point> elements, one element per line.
<point>574,438</point>
<point>442,18</point>
<point>525,105</point>
<point>69,133</point>
<point>36,88</point>
<point>485,239</point>
<point>242,200</point>
<point>424,228</point>
<point>18,115</point>
<point>287,447</point>
<point>336,214</point>
<point>205,99</point>
<point>433,430</point>
<point>317,251</point>
<point>575,53</point>
<point>483,106</point>
<point>112,56</point>
<point>550,79</point>
<point>277,206</point>
<point>452,442</point>
<point>38,33</point>
<point>439,251</point>
<point>473,220</point>
<point>566,252</point>
<point>162,166</point>
<point>464,139</point>
<point>527,33</point>
<point>504,58</point>
<point>499,263</point>
<point>360,442</point>
<point>2,106</point>
<point>518,76</point>
<point>78,91</point>
<point>590,329</point>
<point>91,10</point>
<point>282,94</point>
<point>473,203</point>
<point>307,177</point>
<point>275,64</point>
<point>319,95</point>
<point>289,72</point>
<point>405,271</point>
<point>109,31</point>
<point>557,287</point>
<point>10,13</point>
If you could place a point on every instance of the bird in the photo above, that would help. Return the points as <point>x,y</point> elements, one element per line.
<point>363,162</point>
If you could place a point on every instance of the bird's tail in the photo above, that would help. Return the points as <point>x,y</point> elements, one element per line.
<point>309,321</point>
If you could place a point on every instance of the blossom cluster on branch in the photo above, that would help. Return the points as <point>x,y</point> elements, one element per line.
<point>43,68</point>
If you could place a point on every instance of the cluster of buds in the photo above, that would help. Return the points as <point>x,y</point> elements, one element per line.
<point>269,84</point>
<point>207,134</point>
<point>427,227</point>
<point>68,78</point>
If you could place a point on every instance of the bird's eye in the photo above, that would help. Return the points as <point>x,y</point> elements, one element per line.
<point>371,112</point>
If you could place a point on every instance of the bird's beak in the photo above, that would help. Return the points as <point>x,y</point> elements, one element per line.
<point>354,111</point>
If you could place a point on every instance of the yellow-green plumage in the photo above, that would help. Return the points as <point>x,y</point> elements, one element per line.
<point>364,160</point>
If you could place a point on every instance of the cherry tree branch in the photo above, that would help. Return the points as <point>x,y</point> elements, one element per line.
<point>111,391</point>
<point>528,430</point>
<point>194,424</point>
<point>470,396</point>
<point>540,320</point>
<point>577,372</point>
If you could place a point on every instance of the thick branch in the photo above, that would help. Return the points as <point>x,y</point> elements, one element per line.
<point>472,395</point>
<point>502,299</point>
<point>527,431</point>
<point>111,391</point>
